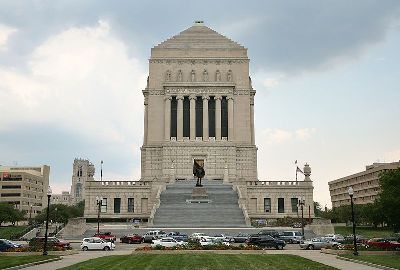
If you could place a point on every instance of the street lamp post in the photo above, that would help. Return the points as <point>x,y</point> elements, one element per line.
<point>55,219</point>
<point>301,203</point>
<point>351,193</point>
<point>99,201</point>
<point>47,222</point>
<point>30,214</point>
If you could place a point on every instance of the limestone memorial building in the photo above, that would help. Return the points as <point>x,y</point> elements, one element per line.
<point>198,108</point>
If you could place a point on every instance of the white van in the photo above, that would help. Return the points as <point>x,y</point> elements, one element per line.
<point>152,235</point>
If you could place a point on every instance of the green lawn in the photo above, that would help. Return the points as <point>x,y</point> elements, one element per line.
<point>364,231</point>
<point>10,261</point>
<point>385,260</point>
<point>203,261</point>
<point>8,231</point>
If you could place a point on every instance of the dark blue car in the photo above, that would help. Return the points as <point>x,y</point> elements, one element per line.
<point>6,244</point>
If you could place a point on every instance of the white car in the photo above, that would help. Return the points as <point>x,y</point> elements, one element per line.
<point>197,236</point>
<point>335,237</point>
<point>167,242</point>
<point>93,243</point>
<point>208,241</point>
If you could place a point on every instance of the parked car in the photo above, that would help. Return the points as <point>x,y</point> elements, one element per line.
<point>291,237</point>
<point>107,236</point>
<point>149,236</point>
<point>273,233</point>
<point>197,236</point>
<point>208,241</point>
<point>7,244</point>
<point>335,237</point>
<point>241,238</point>
<point>266,241</point>
<point>359,238</point>
<point>61,243</point>
<point>317,243</point>
<point>178,236</point>
<point>94,243</point>
<point>296,225</point>
<point>383,243</point>
<point>167,242</point>
<point>223,237</point>
<point>132,238</point>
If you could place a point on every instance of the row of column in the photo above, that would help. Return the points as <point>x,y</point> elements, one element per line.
<point>192,99</point>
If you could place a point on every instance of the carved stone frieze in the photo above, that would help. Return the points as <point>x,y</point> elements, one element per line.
<point>242,92</point>
<point>198,61</point>
<point>199,90</point>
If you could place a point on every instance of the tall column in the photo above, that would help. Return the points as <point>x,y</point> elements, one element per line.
<point>179,129</point>
<point>230,119</point>
<point>218,118</point>
<point>146,126</point>
<point>192,117</point>
<point>205,117</point>
<point>167,119</point>
<point>252,119</point>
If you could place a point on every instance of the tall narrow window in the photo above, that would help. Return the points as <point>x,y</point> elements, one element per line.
<point>211,117</point>
<point>199,117</point>
<point>117,205</point>
<point>131,203</point>
<point>186,117</point>
<point>281,205</point>
<point>267,205</point>
<point>294,202</point>
<point>224,117</point>
<point>104,205</point>
<point>174,108</point>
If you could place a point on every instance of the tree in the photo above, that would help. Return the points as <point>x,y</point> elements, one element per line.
<point>62,214</point>
<point>8,213</point>
<point>389,197</point>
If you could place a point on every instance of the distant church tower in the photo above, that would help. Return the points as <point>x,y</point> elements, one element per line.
<point>199,107</point>
<point>83,170</point>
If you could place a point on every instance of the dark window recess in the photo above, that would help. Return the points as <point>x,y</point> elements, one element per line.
<point>224,117</point>
<point>10,194</point>
<point>11,187</point>
<point>12,178</point>
<point>211,117</point>
<point>117,205</point>
<point>267,205</point>
<point>199,117</point>
<point>294,202</point>
<point>174,108</point>
<point>131,203</point>
<point>281,205</point>
<point>186,117</point>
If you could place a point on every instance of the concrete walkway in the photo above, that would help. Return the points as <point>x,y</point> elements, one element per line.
<point>314,255</point>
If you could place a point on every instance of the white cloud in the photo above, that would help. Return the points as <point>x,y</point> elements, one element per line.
<point>82,79</point>
<point>268,80</point>
<point>281,136</point>
<point>5,33</point>
<point>304,134</point>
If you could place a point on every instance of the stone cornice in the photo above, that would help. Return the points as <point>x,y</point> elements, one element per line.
<point>196,60</point>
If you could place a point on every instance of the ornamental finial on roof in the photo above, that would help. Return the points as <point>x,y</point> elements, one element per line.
<point>198,22</point>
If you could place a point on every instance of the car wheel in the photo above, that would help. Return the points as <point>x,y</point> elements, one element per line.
<point>106,248</point>
<point>290,241</point>
<point>85,249</point>
<point>130,242</point>
<point>310,247</point>
<point>279,247</point>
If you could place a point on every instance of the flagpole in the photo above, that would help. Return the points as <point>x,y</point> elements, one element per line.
<point>101,171</point>
<point>296,170</point>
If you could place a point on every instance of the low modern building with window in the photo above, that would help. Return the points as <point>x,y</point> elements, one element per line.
<point>365,185</point>
<point>25,187</point>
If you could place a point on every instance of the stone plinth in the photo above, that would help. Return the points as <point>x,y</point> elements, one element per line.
<point>199,193</point>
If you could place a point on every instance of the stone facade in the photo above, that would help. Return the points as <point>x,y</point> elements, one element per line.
<point>199,105</point>
<point>82,171</point>
<point>365,185</point>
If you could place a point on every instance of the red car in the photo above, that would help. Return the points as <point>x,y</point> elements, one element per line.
<point>106,236</point>
<point>131,239</point>
<point>384,243</point>
<point>51,240</point>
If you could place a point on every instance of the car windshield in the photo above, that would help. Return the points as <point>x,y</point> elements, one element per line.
<point>297,233</point>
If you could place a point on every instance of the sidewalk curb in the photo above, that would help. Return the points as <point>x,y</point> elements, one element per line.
<point>366,263</point>
<point>32,264</point>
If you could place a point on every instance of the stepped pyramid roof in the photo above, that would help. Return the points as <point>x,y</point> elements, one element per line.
<point>199,36</point>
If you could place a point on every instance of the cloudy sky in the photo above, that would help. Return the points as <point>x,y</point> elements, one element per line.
<point>327,77</point>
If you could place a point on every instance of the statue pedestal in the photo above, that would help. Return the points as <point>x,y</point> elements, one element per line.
<point>199,195</point>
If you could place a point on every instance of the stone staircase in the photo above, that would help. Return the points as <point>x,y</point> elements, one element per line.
<point>222,212</point>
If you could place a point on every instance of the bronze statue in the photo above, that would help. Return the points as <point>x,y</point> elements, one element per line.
<point>199,172</point>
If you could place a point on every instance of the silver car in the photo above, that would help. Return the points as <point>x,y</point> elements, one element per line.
<point>317,243</point>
